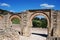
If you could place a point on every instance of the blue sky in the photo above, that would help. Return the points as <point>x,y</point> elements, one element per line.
<point>22,5</point>
<point>40,16</point>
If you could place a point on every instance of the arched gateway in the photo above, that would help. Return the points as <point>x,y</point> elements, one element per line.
<point>31,14</point>
<point>42,14</point>
<point>25,23</point>
<point>52,18</point>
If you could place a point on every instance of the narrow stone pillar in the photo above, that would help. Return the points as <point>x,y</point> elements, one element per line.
<point>26,30</point>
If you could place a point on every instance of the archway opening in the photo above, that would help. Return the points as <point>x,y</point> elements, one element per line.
<point>39,22</point>
<point>15,20</point>
<point>39,26</point>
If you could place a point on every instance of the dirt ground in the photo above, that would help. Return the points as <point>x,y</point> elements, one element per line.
<point>37,34</point>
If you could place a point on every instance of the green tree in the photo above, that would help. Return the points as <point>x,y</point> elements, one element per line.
<point>37,22</point>
<point>44,23</point>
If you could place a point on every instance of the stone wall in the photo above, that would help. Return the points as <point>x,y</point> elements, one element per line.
<point>53,18</point>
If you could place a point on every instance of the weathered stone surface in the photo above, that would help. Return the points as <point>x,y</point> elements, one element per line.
<point>9,34</point>
<point>52,16</point>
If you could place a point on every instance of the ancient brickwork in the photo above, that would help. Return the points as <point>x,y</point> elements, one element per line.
<point>6,25</point>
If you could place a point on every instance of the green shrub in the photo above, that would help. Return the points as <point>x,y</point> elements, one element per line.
<point>15,21</point>
<point>39,22</point>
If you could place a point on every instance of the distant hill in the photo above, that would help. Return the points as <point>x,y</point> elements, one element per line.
<point>4,11</point>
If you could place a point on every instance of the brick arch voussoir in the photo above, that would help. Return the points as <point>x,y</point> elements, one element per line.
<point>39,14</point>
<point>14,16</point>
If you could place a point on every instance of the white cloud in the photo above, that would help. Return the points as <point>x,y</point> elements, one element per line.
<point>4,4</point>
<point>47,6</point>
<point>12,11</point>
